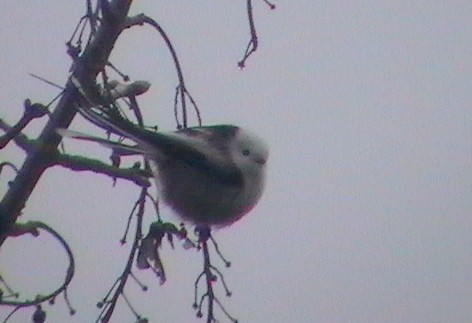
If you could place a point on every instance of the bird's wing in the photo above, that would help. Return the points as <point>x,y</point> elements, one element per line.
<point>215,161</point>
<point>203,148</point>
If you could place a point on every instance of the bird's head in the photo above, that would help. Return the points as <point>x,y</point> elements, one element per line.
<point>249,151</point>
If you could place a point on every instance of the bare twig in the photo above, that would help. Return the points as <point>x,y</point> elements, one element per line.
<point>86,67</point>
<point>204,234</point>
<point>181,90</point>
<point>253,41</point>
<point>31,111</point>
<point>46,81</point>
<point>20,139</point>
<point>109,305</point>
<point>32,227</point>
<point>79,163</point>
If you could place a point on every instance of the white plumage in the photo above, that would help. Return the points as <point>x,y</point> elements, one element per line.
<point>210,176</point>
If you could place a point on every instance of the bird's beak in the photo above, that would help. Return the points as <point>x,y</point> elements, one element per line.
<point>260,161</point>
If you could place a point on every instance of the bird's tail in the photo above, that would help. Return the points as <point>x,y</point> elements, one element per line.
<point>112,120</point>
<point>118,147</point>
<point>104,115</point>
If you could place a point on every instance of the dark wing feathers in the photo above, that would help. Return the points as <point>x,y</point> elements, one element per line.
<point>172,146</point>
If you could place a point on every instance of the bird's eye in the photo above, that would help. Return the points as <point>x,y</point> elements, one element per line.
<point>246,152</point>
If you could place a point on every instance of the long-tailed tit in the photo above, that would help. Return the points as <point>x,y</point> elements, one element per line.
<point>210,176</point>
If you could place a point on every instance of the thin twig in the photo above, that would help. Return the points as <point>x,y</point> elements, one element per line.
<point>143,19</point>
<point>32,227</point>
<point>253,41</point>
<point>127,270</point>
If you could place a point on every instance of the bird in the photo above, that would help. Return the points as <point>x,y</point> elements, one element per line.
<point>210,176</point>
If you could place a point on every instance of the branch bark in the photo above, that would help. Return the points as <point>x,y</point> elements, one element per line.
<point>78,163</point>
<point>85,68</point>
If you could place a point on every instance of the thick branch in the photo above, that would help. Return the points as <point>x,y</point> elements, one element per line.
<point>85,68</point>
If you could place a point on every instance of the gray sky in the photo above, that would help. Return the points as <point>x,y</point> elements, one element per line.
<point>367,107</point>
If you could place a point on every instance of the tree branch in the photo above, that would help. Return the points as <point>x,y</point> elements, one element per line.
<point>79,163</point>
<point>20,139</point>
<point>85,68</point>
<point>32,228</point>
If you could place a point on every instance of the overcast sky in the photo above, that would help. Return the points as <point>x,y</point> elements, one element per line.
<point>367,108</point>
